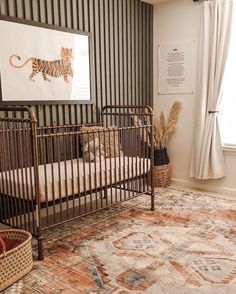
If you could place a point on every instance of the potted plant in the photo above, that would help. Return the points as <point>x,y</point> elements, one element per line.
<point>163,129</point>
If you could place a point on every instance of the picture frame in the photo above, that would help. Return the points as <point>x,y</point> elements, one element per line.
<point>50,64</point>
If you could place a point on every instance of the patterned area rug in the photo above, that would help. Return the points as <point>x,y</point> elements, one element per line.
<point>188,245</point>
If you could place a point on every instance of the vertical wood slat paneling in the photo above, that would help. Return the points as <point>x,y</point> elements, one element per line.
<point>107,52</point>
<point>103,53</point>
<point>136,53</point>
<point>122,46</point>
<point>145,59</point>
<point>111,48</point>
<point>97,54</point>
<point>150,67</point>
<point>120,53</point>
<point>140,54</point>
<point>129,52</point>
<point>133,57</point>
<point>125,51</point>
<point>116,52</point>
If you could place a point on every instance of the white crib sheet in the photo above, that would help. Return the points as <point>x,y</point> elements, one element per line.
<point>71,177</point>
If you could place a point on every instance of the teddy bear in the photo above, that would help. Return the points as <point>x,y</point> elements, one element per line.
<point>93,151</point>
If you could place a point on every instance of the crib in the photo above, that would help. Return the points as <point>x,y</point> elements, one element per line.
<point>45,179</point>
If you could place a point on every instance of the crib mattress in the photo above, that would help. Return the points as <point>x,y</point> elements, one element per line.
<point>71,177</point>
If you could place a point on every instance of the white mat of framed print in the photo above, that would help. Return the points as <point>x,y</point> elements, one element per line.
<point>44,64</point>
<point>175,67</point>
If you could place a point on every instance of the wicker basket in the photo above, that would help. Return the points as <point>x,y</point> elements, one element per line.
<point>17,262</point>
<point>162,175</point>
<point>162,169</point>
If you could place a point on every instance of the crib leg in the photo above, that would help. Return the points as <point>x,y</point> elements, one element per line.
<point>152,195</point>
<point>40,248</point>
<point>153,201</point>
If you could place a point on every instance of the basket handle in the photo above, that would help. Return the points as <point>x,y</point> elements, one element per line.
<point>3,245</point>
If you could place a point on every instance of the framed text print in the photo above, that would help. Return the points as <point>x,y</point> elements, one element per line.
<point>42,64</point>
<point>175,68</point>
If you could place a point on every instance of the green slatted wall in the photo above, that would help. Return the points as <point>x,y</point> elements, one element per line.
<point>122,41</point>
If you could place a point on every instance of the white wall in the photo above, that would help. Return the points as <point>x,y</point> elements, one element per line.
<point>174,22</point>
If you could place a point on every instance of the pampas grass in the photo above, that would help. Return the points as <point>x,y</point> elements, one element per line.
<point>157,134</point>
<point>164,128</point>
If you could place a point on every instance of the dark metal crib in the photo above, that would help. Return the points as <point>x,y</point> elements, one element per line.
<point>46,180</point>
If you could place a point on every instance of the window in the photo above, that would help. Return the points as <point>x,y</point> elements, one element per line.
<point>227,115</point>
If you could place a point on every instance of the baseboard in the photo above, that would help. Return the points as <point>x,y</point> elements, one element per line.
<point>205,187</point>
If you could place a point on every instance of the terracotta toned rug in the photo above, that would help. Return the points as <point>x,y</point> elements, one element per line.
<point>188,245</point>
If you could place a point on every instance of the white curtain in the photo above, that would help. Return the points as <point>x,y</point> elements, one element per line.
<point>207,158</point>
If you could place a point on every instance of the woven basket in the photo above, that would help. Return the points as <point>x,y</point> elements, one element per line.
<point>16,262</point>
<point>162,169</point>
<point>162,175</point>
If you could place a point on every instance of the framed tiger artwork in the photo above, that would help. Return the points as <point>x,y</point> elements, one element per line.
<point>44,64</point>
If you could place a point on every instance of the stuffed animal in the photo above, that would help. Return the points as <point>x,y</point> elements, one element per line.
<point>93,151</point>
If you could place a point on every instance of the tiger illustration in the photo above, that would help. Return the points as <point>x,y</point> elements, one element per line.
<point>55,68</point>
